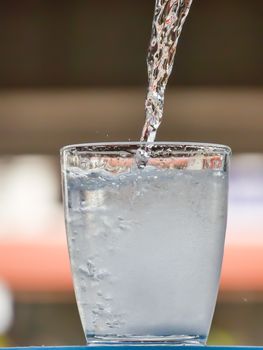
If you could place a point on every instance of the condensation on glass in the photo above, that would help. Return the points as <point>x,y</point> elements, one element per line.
<point>146,245</point>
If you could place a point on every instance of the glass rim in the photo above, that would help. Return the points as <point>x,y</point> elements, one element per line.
<point>210,147</point>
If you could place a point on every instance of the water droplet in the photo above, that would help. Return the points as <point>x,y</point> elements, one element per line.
<point>83,288</point>
<point>89,269</point>
<point>100,306</point>
<point>102,274</point>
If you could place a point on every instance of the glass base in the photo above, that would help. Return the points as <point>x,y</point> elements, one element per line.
<point>147,340</point>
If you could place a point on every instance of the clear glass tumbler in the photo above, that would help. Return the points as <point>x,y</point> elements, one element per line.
<point>146,245</point>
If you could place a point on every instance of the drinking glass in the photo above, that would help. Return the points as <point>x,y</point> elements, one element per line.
<point>146,243</point>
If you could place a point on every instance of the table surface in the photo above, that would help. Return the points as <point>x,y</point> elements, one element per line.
<point>122,347</point>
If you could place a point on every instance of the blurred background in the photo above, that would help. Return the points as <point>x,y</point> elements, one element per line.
<point>74,71</point>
